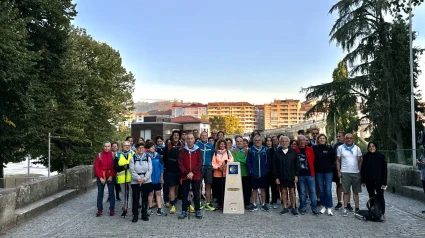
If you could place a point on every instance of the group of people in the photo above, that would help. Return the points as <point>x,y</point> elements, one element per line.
<point>271,168</point>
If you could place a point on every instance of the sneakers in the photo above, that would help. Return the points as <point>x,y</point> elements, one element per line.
<point>274,205</point>
<point>201,206</point>
<point>345,213</point>
<point>145,217</point>
<point>349,207</point>
<point>99,213</point>
<point>330,213</point>
<point>161,213</point>
<point>338,206</point>
<point>315,213</point>
<point>323,210</point>
<point>167,205</point>
<point>253,208</point>
<point>265,208</point>
<point>209,207</point>
<point>173,209</point>
<point>357,209</point>
<point>302,212</point>
<point>118,199</point>
<point>182,215</point>
<point>219,207</point>
<point>135,218</point>
<point>294,212</point>
<point>198,214</point>
<point>150,212</point>
<point>124,213</point>
<point>191,209</point>
<point>284,211</point>
<point>111,212</point>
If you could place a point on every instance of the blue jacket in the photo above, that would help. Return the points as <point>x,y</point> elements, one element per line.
<point>207,150</point>
<point>258,161</point>
<point>157,168</point>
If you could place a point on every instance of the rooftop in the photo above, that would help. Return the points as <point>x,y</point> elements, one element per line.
<point>188,119</point>
<point>229,104</point>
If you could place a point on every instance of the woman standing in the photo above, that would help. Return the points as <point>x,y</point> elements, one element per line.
<point>219,162</point>
<point>324,158</point>
<point>271,180</point>
<point>293,144</point>
<point>160,148</point>
<point>374,175</point>
<point>114,149</point>
<point>157,177</point>
<point>141,171</point>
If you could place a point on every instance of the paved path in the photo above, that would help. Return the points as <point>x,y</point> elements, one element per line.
<point>76,218</point>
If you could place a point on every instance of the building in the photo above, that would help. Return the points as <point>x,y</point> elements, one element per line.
<point>164,116</point>
<point>189,109</point>
<point>281,113</point>
<point>191,123</point>
<point>242,110</point>
<point>259,117</point>
<point>149,130</point>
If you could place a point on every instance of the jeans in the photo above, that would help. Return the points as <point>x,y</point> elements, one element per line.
<point>195,190</point>
<point>303,182</point>
<point>100,191</point>
<point>325,186</point>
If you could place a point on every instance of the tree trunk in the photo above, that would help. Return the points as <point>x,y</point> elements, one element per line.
<point>401,157</point>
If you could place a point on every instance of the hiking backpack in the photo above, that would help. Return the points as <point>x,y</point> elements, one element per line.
<point>372,213</point>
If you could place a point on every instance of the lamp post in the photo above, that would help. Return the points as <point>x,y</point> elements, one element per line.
<point>54,137</point>
<point>412,95</point>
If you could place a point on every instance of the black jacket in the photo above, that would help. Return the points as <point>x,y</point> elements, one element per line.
<point>170,157</point>
<point>374,168</point>
<point>285,166</point>
<point>324,159</point>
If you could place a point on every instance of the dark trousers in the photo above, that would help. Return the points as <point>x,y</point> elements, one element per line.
<point>195,191</point>
<point>166,191</point>
<point>219,184</point>
<point>246,188</point>
<point>273,187</point>
<point>423,184</point>
<point>117,190</point>
<point>374,190</point>
<point>100,191</point>
<point>140,191</point>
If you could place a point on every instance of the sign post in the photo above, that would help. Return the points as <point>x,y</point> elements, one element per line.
<point>233,195</point>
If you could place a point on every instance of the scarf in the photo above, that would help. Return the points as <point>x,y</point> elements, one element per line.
<point>221,152</point>
<point>160,146</point>
<point>240,149</point>
<point>195,147</point>
<point>348,148</point>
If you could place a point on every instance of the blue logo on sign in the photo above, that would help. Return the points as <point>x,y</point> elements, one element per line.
<point>233,169</point>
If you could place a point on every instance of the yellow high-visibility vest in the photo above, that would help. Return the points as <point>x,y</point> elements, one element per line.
<point>121,176</point>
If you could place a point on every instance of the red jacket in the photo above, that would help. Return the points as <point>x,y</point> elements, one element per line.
<point>310,158</point>
<point>104,167</point>
<point>190,162</point>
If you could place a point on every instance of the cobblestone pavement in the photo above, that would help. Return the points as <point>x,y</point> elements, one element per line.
<point>76,218</point>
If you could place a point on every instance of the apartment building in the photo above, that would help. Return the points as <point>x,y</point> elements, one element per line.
<point>242,110</point>
<point>282,113</point>
<point>259,117</point>
<point>189,109</point>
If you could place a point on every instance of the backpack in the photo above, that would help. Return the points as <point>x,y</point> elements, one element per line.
<point>372,213</point>
<point>421,139</point>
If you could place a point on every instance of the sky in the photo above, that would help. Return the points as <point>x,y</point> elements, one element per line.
<point>221,50</point>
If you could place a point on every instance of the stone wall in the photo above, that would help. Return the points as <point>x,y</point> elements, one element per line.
<point>400,176</point>
<point>79,178</point>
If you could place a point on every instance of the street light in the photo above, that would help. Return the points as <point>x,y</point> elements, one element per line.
<point>412,95</point>
<point>54,137</point>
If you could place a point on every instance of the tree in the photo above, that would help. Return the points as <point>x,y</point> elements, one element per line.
<point>377,52</point>
<point>217,123</point>
<point>16,63</point>
<point>232,125</point>
<point>204,117</point>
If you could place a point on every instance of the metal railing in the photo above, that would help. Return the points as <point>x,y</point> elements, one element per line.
<point>12,182</point>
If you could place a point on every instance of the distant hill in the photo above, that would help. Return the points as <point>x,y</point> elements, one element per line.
<point>151,106</point>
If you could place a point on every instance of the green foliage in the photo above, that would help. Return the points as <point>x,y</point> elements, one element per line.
<point>378,56</point>
<point>55,78</point>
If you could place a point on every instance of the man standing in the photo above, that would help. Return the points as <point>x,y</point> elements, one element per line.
<point>214,133</point>
<point>207,150</point>
<point>190,164</point>
<point>196,134</point>
<point>183,135</point>
<point>172,177</point>
<point>105,174</point>
<point>339,141</point>
<point>239,154</point>
<point>285,170</point>
<point>114,149</point>
<point>349,162</point>
<point>306,175</point>
<point>314,134</point>
<point>258,161</point>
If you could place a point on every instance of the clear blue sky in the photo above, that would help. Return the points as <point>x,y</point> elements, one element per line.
<point>216,50</point>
